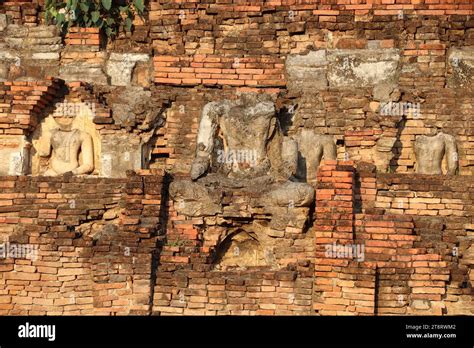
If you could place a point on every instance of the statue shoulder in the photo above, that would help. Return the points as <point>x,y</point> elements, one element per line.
<point>53,133</point>
<point>84,135</point>
<point>448,138</point>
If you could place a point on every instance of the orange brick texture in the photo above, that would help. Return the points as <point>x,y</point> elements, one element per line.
<point>122,248</point>
<point>27,11</point>
<point>91,261</point>
<point>23,104</point>
<point>394,253</point>
<point>85,265</point>
<point>83,37</point>
<point>350,117</point>
<point>191,51</point>
<point>214,70</point>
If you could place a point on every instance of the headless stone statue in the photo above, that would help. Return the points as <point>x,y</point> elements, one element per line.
<point>430,151</point>
<point>64,146</point>
<point>232,139</point>
<point>240,145</point>
<point>313,148</point>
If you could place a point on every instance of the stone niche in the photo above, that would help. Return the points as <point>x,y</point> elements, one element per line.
<point>241,250</point>
<point>243,184</point>
<point>121,152</point>
<point>98,151</point>
<point>82,114</point>
<point>139,115</point>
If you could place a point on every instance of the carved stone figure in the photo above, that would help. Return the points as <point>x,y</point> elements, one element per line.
<point>312,149</point>
<point>243,139</point>
<point>240,145</point>
<point>430,151</point>
<point>71,150</point>
<point>244,166</point>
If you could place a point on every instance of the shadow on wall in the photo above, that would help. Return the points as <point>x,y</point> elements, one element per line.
<point>397,146</point>
<point>240,249</point>
<point>285,116</point>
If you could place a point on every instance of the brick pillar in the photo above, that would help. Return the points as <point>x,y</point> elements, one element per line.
<point>334,202</point>
<point>123,260</point>
<point>343,284</point>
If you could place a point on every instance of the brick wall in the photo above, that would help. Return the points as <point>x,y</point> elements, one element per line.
<point>401,272</point>
<point>245,46</point>
<point>100,240</point>
<point>23,104</point>
<point>354,118</point>
<point>211,70</point>
<point>442,217</point>
<point>96,239</point>
<point>119,249</point>
<point>404,271</point>
<point>193,291</point>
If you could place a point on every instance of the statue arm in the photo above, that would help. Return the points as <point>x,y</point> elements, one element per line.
<point>87,150</point>
<point>205,140</point>
<point>290,155</point>
<point>451,155</point>
<point>207,130</point>
<point>330,150</point>
<point>44,148</point>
